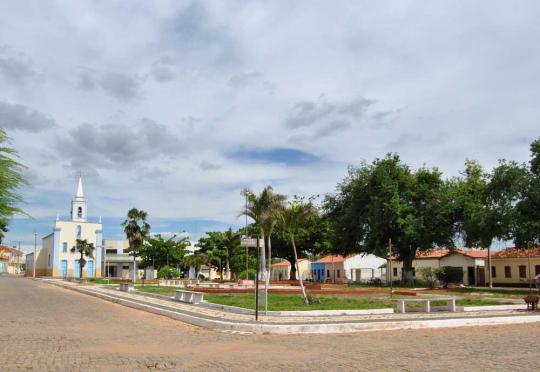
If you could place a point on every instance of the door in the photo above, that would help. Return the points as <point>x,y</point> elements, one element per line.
<point>90,269</point>
<point>471,274</point>
<point>63,268</point>
<point>76,269</point>
<point>481,277</point>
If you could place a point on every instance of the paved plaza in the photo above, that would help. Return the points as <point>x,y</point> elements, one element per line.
<point>44,327</point>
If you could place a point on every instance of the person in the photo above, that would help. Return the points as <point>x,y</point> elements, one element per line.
<point>537,281</point>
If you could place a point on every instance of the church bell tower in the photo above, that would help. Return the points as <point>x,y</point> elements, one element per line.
<point>78,205</point>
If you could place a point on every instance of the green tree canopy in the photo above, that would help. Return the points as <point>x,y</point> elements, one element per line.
<point>386,200</point>
<point>11,180</point>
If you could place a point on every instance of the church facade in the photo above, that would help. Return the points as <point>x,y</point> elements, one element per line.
<point>55,257</point>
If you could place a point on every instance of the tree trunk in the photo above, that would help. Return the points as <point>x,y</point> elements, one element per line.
<point>292,275</point>
<point>134,269</point>
<point>407,271</point>
<point>227,267</point>
<point>298,270</point>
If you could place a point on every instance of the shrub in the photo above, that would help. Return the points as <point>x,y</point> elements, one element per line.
<point>166,270</point>
<point>429,275</point>
<point>251,272</point>
<point>449,274</point>
<point>312,300</point>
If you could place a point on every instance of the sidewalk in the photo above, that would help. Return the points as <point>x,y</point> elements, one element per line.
<point>214,318</point>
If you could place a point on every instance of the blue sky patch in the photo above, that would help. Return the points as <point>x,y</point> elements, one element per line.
<point>285,156</point>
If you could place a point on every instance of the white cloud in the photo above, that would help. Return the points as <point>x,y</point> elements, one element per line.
<point>345,81</point>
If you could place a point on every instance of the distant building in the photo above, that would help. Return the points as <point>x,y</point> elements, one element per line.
<point>353,268</point>
<point>55,257</point>
<point>471,261</point>
<point>282,270</point>
<point>515,266</point>
<point>11,260</point>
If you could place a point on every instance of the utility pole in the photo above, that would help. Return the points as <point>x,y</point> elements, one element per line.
<point>19,260</point>
<point>34,257</point>
<point>390,266</point>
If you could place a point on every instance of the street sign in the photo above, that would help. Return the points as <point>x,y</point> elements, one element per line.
<point>250,242</point>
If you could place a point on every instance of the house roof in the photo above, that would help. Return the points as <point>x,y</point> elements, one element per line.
<point>514,252</point>
<point>286,262</point>
<point>5,248</point>
<point>331,259</point>
<point>440,253</point>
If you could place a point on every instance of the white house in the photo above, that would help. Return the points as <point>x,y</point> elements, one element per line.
<point>355,268</point>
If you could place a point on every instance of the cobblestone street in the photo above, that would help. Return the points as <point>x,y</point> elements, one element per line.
<point>48,328</point>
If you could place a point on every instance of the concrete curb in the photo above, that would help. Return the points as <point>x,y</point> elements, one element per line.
<point>345,327</point>
<point>495,307</point>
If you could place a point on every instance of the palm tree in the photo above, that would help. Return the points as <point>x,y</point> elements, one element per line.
<point>231,241</point>
<point>136,229</point>
<point>291,221</point>
<point>196,260</point>
<point>264,209</point>
<point>84,249</point>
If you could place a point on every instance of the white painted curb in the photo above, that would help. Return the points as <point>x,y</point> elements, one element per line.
<point>495,307</point>
<point>261,327</point>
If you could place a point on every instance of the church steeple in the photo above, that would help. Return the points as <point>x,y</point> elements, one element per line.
<point>78,205</point>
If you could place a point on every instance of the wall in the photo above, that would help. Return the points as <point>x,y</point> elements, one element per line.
<point>514,263</point>
<point>359,261</point>
<point>66,232</point>
<point>417,265</point>
<point>459,260</point>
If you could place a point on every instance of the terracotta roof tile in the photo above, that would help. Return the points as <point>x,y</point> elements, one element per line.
<point>330,259</point>
<point>286,262</point>
<point>514,252</point>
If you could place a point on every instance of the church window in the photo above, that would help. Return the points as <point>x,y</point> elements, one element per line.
<point>79,212</point>
<point>64,247</point>
<point>79,231</point>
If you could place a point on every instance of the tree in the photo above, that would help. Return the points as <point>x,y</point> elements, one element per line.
<point>526,230</point>
<point>84,249</point>
<point>11,180</point>
<point>231,243</point>
<point>387,201</point>
<point>264,209</point>
<point>159,252</point>
<point>195,261</point>
<point>136,229</point>
<point>293,220</point>
<point>485,203</point>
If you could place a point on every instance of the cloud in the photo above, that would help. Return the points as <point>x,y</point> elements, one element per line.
<point>309,113</point>
<point>118,145</point>
<point>17,70</point>
<point>208,166</point>
<point>285,156</point>
<point>21,117</point>
<point>86,82</point>
<point>163,70</point>
<point>121,86</point>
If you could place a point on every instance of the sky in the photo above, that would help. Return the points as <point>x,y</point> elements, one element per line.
<point>175,106</point>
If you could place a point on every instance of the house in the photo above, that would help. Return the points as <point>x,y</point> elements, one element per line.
<point>515,266</point>
<point>117,263</point>
<point>11,260</point>
<point>55,257</point>
<point>282,270</point>
<point>472,262</point>
<point>355,268</point>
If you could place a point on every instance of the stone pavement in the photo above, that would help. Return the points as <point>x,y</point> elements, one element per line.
<point>46,328</point>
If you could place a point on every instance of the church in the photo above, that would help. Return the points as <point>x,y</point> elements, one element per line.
<point>55,257</point>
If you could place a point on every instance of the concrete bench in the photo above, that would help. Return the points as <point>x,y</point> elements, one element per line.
<point>426,303</point>
<point>189,297</point>
<point>126,287</point>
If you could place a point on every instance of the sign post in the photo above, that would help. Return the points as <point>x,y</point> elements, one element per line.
<point>250,242</point>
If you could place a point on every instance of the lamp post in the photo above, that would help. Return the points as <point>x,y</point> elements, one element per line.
<point>34,257</point>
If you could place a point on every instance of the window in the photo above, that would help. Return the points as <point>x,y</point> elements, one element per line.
<point>522,271</point>
<point>395,271</point>
<point>328,273</point>
<point>493,272</point>
<point>413,271</point>
<point>111,251</point>
<point>79,231</point>
<point>338,273</point>
<point>49,261</point>
<point>507,272</point>
<point>537,270</point>
<point>64,247</point>
<point>79,212</point>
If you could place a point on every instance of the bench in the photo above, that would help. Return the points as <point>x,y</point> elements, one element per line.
<point>426,303</point>
<point>126,287</point>
<point>189,297</point>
